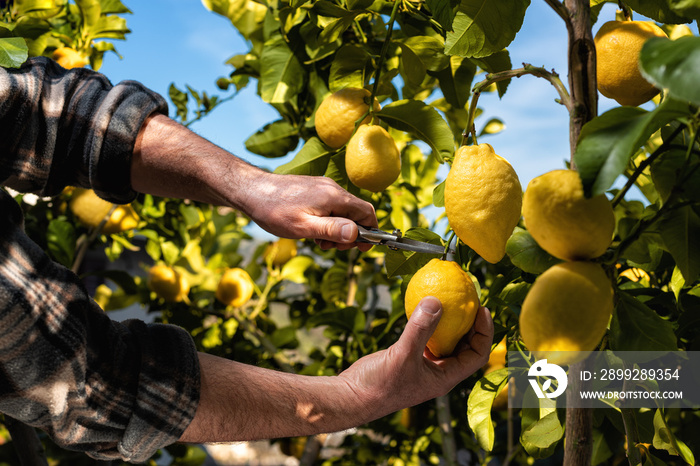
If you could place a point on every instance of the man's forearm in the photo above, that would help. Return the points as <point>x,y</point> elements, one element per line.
<point>241,402</point>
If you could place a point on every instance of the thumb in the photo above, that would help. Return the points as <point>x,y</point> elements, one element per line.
<point>422,324</point>
<point>335,229</point>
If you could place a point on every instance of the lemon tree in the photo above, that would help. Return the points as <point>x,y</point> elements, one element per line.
<point>614,270</point>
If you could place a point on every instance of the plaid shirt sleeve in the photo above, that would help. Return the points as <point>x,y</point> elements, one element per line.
<point>113,390</point>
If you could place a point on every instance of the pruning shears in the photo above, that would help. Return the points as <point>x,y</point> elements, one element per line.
<point>396,241</point>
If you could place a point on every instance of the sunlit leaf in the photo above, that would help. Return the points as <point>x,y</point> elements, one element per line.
<point>456,81</point>
<point>484,27</point>
<point>479,406</point>
<point>526,254</point>
<point>13,52</point>
<point>658,10</point>
<point>542,434</point>
<point>443,12</point>
<point>665,439</point>
<point>275,139</point>
<point>423,121</point>
<point>61,240</point>
<point>312,159</point>
<point>281,73</point>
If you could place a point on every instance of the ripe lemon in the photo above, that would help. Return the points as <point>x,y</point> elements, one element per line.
<point>235,287</point>
<point>566,310</point>
<point>618,44</point>
<point>168,283</point>
<point>336,116</point>
<point>123,218</point>
<point>69,58</point>
<point>372,160</point>
<point>483,198</point>
<point>564,222</point>
<point>454,288</point>
<point>281,251</point>
<point>89,208</point>
<point>497,358</point>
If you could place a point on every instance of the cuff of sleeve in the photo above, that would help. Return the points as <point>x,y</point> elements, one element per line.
<point>162,411</point>
<point>118,122</point>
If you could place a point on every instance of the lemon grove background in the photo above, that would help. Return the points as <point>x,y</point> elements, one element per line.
<point>337,295</point>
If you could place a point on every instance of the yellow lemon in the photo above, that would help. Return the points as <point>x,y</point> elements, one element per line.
<point>564,222</point>
<point>281,251</point>
<point>635,274</point>
<point>69,58</point>
<point>566,310</point>
<point>372,160</point>
<point>168,283</point>
<point>483,198</point>
<point>123,218</point>
<point>336,116</point>
<point>235,287</point>
<point>88,207</point>
<point>454,288</point>
<point>618,44</point>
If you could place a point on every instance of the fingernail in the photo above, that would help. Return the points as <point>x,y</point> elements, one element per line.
<point>430,305</point>
<point>347,233</point>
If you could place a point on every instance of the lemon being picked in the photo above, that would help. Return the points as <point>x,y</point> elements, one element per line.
<point>88,207</point>
<point>566,310</point>
<point>564,222</point>
<point>235,287</point>
<point>280,251</point>
<point>336,116</point>
<point>168,283</point>
<point>454,288</point>
<point>618,44</point>
<point>372,160</point>
<point>483,198</point>
<point>69,58</point>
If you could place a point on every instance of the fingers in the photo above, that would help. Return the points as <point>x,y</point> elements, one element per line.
<point>475,353</point>
<point>420,326</point>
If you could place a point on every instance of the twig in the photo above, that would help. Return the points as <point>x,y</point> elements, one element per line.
<point>444,416</point>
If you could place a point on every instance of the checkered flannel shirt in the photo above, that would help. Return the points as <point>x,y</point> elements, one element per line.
<point>113,390</point>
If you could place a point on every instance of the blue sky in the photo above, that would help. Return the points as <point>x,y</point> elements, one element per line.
<point>181,42</point>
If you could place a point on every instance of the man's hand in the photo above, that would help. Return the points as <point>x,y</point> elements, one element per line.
<point>407,373</point>
<point>310,207</point>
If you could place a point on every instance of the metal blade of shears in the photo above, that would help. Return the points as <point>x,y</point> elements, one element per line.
<point>395,240</point>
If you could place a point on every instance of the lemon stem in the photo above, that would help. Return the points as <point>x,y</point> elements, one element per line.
<point>447,246</point>
<point>470,119</point>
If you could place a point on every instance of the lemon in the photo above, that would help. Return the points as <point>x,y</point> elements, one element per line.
<point>123,218</point>
<point>564,222</point>
<point>566,310</point>
<point>88,207</point>
<point>69,58</point>
<point>483,198</point>
<point>235,287</point>
<point>168,283</point>
<point>618,44</point>
<point>372,160</point>
<point>454,288</point>
<point>336,116</point>
<point>280,251</point>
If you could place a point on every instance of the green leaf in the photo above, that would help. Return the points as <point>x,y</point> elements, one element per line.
<point>636,327</point>
<point>113,7</point>
<point>680,230</point>
<point>542,434</point>
<point>61,239</point>
<point>484,27</point>
<point>671,65</point>
<point>658,10</point>
<point>526,254</point>
<point>295,269</point>
<point>443,12</point>
<point>312,159</point>
<point>493,64</point>
<point>601,450</point>
<point>275,139</point>
<point>13,52</point>
<point>664,439</point>
<point>429,50</point>
<point>479,406</point>
<point>456,81</point>
<point>350,68</point>
<point>281,73</point>
<point>686,8</point>
<point>423,121</point>
<point>608,141</point>
<point>439,195</point>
